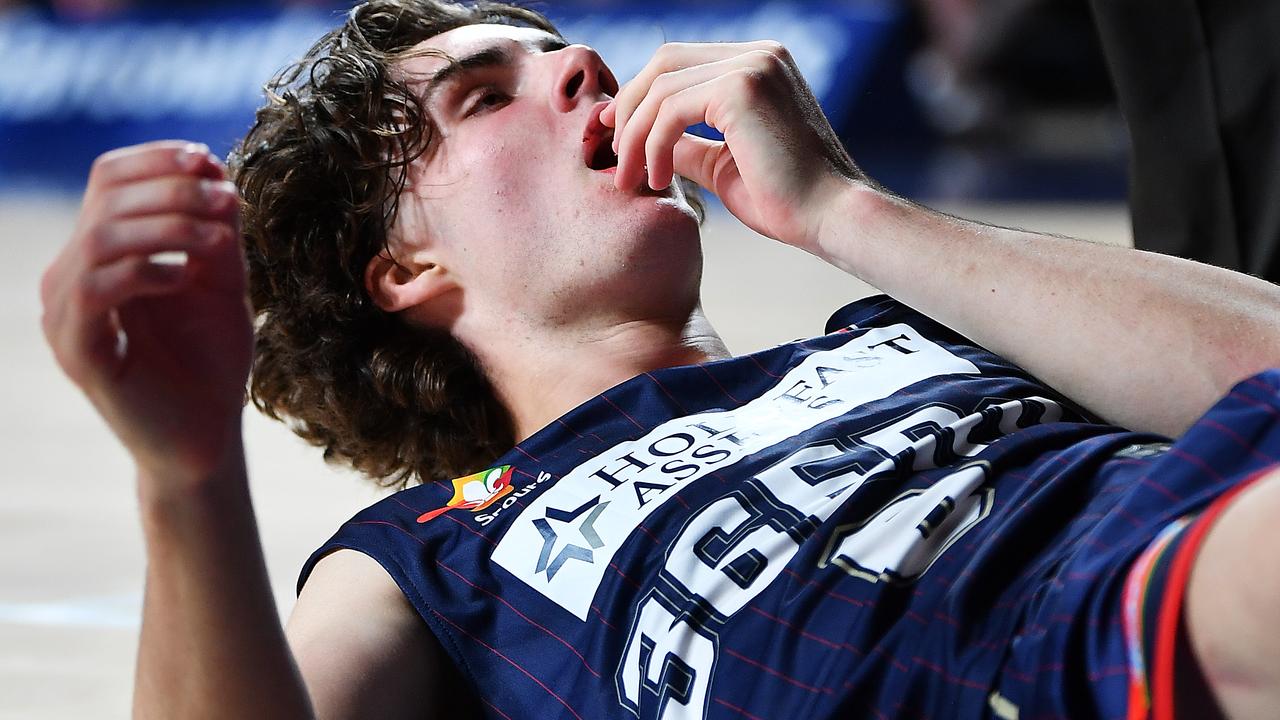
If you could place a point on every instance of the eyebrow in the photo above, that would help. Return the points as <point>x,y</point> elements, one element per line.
<point>490,57</point>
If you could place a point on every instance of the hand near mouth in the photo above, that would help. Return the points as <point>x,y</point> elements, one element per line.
<point>597,141</point>
<point>780,164</point>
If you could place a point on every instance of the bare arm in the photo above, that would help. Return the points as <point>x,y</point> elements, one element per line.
<point>1144,340</point>
<point>1147,341</point>
<point>1233,605</point>
<point>362,648</point>
<point>162,351</point>
<point>211,644</point>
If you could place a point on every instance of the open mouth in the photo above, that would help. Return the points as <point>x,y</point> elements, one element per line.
<point>597,142</point>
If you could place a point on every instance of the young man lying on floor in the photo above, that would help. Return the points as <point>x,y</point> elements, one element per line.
<point>457,286</point>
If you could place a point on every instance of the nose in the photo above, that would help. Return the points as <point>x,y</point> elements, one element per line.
<point>581,76</point>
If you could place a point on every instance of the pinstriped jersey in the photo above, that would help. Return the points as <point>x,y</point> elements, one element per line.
<point>884,521</point>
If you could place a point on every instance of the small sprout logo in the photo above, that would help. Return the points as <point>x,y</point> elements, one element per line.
<point>475,492</point>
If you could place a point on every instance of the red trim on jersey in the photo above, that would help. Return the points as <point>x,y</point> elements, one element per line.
<point>1138,594</point>
<point>1170,614</point>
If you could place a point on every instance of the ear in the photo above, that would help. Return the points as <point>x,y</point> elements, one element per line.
<point>396,286</point>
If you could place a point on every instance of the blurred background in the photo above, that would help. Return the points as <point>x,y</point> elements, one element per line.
<point>938,99</point>
<point>999,110</point>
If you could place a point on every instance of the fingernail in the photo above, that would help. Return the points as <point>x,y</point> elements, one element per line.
<point>219,194</point>
<point>192,155</point>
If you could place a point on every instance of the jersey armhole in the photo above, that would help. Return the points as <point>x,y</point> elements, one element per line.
<point>438,629</point>
<point>854,312</point>
<point>1157,581</point>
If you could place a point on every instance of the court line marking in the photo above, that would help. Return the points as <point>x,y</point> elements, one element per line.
<point>108,611</point>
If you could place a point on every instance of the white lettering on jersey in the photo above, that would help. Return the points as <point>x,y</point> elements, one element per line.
<point>562,543</point>
<point>672,662</point>
<point>734,548</point>
<point>907,535</point>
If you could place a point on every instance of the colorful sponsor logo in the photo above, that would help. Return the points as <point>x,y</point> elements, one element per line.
<point>475,492</point>
<point>484,518</point>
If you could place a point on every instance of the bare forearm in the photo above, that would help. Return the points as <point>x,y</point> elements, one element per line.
<point>1144,340</point>
<point>212,645</point>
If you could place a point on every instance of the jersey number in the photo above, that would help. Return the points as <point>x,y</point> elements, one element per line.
<point>733,548</point>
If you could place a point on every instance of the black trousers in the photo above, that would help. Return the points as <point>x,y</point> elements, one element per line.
<point>1198,82</point>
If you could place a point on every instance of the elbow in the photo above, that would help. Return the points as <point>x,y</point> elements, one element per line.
<point>1239,359</point>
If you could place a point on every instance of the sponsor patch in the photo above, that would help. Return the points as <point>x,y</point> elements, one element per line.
<point>475,492</point>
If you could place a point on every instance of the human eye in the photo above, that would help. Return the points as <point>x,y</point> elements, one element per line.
<point>484,99</point>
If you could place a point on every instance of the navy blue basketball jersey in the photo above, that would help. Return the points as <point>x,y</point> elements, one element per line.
<point>885,521</point>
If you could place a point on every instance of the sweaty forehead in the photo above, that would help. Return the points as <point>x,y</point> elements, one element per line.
<point>472,38</point>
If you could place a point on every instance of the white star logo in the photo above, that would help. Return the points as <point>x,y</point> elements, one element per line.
<point>591,509</point>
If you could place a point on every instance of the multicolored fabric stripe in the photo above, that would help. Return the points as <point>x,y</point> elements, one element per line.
<point>1142,597</point>
<point>1153,596</point>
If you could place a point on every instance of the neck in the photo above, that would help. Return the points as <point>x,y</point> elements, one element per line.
<point>542,378</point>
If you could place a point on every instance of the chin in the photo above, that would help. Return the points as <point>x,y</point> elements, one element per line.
<point>670,215</point>
<point>668,262</point>
<point>669,230</point>
<point>678,205</point>
<point>650,264</point>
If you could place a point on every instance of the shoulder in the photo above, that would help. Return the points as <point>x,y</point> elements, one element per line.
<point>360,646</point>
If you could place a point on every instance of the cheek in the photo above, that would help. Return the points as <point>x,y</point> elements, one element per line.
<point>511,165</point>
<point>515,184</point>
<point>508,138</point>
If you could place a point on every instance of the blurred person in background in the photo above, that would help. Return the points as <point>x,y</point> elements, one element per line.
<point>473,265</point>
<point>987,67</point>
<point>1194,80</point>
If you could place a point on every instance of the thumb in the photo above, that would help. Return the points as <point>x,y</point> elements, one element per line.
<point>711,164</point>
<point>697,158</point>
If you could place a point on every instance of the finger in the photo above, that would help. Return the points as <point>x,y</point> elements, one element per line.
<point>200,197</point>
<point>667,58</point>
<point>85,337</point>
<point>154,159</point>
<point>678,112</point>
<point>108,286</point>
<point>699,159</point>
<point>638,144</point>
<point>222,264</point>
<point>631,141</point>
<point>711,165</point>
<point>673,57</point>
<point>151,234</point>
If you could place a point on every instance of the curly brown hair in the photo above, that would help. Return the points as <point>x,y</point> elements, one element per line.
<point>320,173</point>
